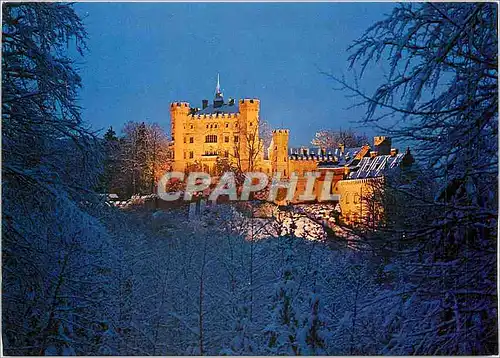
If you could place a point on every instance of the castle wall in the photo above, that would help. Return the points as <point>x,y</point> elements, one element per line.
<point>238,140</point>
<point>353,198</point>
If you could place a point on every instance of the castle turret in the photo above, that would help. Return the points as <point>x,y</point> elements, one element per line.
<point>249,132</point>
<point>279,152</point>
<point>382,145</point>
<point>179,112</point>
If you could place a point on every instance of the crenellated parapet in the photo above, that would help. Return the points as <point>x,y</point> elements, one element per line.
<point>249,105</point>
<point>249,102</point>
<point>312,157</point>
<point>213,116</point>
<point>180,106</point>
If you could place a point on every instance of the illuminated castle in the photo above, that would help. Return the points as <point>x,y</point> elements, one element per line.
<point>228,131</point>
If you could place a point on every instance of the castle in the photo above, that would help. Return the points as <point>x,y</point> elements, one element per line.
<point>229,131</point>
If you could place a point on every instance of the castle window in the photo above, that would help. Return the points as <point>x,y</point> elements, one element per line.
<point>236,139</point>
<point>211,126</point>
<point>184,139</point>
<point>191,140</point>
<point>226,153</point>
<point>236,125</point>
<point>226,139</point>
<point>215,126</point>
<point>191,126</point>
<point>211,138</point>
<point>227,125</point>
<point>191,155</point>
<point>207,126</point>
<point>251,124</point>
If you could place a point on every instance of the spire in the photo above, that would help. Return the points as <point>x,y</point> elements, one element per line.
<point>218,92</point>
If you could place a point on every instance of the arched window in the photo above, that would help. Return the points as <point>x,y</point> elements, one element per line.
<point>211,138</point>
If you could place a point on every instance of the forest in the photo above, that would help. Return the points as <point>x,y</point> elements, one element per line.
<point>81,277</point>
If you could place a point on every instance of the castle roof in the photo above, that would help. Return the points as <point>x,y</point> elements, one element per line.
<point>377,166</point>
<point>330,157</point>
<point>224,108</point>
<point>366,167</point>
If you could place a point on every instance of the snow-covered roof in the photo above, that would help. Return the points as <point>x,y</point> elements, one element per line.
<point>301,150</point>
<point>377,166</point>
<point>332,156</point>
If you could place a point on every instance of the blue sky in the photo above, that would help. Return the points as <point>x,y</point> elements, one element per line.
<point>142,56</point>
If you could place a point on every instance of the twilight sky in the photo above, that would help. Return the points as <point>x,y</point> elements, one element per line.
<point>145,55</point>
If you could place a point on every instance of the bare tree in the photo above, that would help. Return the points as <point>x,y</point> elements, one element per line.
<point>328,138</point>
<point>50,166</point>
<point>143,157</point>
<point>442,96</point>
<point>247,153</point>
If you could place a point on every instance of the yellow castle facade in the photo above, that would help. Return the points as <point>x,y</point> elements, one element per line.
<point>228,131</point>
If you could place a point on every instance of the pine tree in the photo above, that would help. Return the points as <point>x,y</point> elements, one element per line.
<point>282,331</point>
<point>110,135</point>
<point>311,335</point>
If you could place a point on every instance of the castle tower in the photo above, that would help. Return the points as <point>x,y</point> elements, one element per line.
<point>279,152</point>
<point>382,145</point>
<point>179,114</point>
<point>250,145</point>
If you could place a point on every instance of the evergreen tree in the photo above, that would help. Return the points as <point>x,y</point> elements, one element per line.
<point>282,331</point>
<point>110,135</point>
<point>311,334</point>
